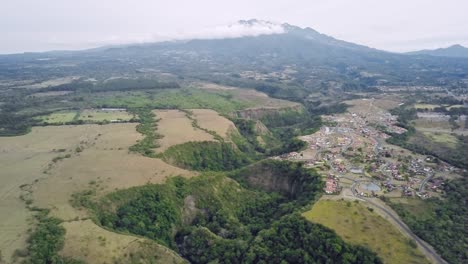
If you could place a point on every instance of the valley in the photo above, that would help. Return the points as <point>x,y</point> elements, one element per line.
<point>292,147</point>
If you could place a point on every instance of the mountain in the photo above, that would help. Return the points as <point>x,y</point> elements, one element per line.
<point>452,51</point>
<point>311,60</point>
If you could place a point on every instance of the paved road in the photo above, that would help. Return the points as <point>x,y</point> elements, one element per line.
<point>423,183</point>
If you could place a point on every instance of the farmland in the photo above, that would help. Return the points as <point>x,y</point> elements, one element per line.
<point>358,225</point>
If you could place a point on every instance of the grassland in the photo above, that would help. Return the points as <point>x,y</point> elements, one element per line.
<point>442,138</point>
<point>85,116</point>
<point>59,117</point>
<point>96,115</point>
<point>211,120</point>
<point>425,106</point>
<point>23,160</point>
<point>358,225</point>
<point>220,101</point>
<point>365,106</point>
<point>97,245</point>
<point>255,98</point>
<point>176,129</point>
<point>93,157</point>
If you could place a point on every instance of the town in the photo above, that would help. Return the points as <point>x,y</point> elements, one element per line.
<point>351,152</point>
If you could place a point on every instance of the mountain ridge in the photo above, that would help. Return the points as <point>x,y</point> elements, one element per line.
<point>455,50</point>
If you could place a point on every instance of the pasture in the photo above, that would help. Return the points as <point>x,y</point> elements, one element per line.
<point>255,99</point>
<point>211,120</point>
<point>99,115</point>
<point>177,128</point>
<point>94,244</point>
<point>356,224</point>
<point>51,163</point>
<point>58,117</point>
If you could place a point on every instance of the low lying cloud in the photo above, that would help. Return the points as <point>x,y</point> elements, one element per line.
<point>243,28</point>
<point>250,28</point>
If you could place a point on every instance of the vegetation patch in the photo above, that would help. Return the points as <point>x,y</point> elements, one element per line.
<point>46,241</point>
<point>359,226</point>
<point>205,156</point>
<point>147,127</point>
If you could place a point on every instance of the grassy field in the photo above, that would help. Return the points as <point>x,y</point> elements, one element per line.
<point>442,138</point>
<point>211,120</point>
<point>23,160</point>
<point>96,115</point>
<point>58,117</point>
<point>358,225</point>
<point>96,245</point>
<point>87,115</point>
<point>255,98</point>
<point>177,128</point>
<point>221,101</point>
<point>91,156</point>
<point>364,106</point>
<point>425,106</point>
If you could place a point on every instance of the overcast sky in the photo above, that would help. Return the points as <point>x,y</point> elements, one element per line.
<point>394,25</point>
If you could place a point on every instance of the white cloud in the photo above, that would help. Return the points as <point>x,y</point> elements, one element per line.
<point>240,29</point>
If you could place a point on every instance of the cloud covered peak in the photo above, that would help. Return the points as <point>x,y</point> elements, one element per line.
<point>242,28</point>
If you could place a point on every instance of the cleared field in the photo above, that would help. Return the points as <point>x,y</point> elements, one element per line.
<point>177,129</point>
<point>52,82</point>
<point>59,117</point>
<point>366,106</point>
<point>211,120</point>
<point>53,93</point>
<point>98,158</point>
<point>104,115</point>
<point>423,123</point>
<point>357,225</point>
<point>426,106</point>
<point>442,138</point>
<point>96,245</point>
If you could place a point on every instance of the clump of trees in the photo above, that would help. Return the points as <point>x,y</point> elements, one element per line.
<point>147,127</point>
<point>46,241</point>
<point>206,156</point>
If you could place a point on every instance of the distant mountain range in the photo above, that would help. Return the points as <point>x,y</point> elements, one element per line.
<point>310,57</point>
<point>452,51</point>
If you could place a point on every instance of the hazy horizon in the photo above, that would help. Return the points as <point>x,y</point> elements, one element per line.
<point>398,26</point>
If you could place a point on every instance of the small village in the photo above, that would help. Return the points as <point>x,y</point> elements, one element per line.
<point>351,152</point>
